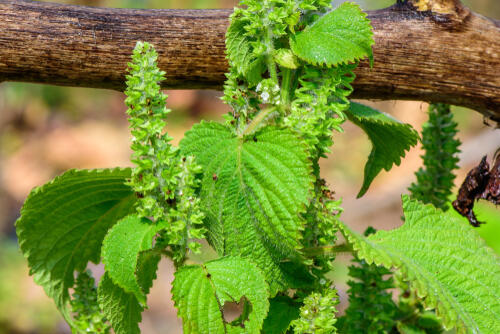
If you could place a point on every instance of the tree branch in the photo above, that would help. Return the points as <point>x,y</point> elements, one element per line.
<point>422,52</point>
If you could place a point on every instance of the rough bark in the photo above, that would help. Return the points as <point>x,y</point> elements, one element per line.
<point>430,50</point>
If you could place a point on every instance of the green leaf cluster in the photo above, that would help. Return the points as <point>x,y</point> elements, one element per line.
<point>265,67</point>
<point>269,84</point>
<point>409,315</point>
<point>446,264</point>
<point>261,191</point>
<point>62,227</point>
<point>64,222</point>
<point>253,190</point>
<point>105,215</point>
<point>252,37</point>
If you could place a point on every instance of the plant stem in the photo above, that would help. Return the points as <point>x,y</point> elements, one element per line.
<point>286,82</point>
<point>257,120</point>
<point>333,249</point>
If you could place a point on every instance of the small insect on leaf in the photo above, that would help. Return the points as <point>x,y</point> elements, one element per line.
<point>214,177</point>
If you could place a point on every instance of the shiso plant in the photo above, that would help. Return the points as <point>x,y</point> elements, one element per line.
<point>251,187</point>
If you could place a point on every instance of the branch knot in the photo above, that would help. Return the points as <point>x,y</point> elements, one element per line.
<point>449,13</point>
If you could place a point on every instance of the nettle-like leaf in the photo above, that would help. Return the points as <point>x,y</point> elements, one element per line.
<point>446,262</point>
<point>342,36</point>
<point>63,223</point>
<point>200,292</point>
<point>240,53</point>
<point>122,309</point>
<point>390,139</point>
<point>253,190</point>
<point>121,249</point>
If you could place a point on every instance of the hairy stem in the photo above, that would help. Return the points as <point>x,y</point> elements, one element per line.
<point>331,249</point>
<point>286,84</point>
<point>257,120</point>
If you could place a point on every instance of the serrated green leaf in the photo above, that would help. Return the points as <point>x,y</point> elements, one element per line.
<point>282,310</point>
<point>121,248</point>
<point>342,36</point>
<point>238,44</point>
<point>390,139</point>
<point>122,309</point>
<point>253,190</point>
<point>199,293</point>
<point>63,223</point>
<point>446,262</point>
<point>239,52</point>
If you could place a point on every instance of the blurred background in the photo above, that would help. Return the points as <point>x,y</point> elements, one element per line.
<point>45,130</point>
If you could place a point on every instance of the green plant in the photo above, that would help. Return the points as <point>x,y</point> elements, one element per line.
<point>371,308</point>
<point>252,188</point>
<point>435,181</point>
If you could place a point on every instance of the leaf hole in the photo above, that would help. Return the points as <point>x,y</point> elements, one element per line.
<point>236,313</point>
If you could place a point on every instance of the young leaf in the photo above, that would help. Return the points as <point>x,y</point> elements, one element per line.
<point>121,248</point>
<point>282,311</point>
<point>239,51</point>
<point>253,190</point>
<point>199,293</point>
<point>344,35</point>
<point>122,309</point>
<point>390,139</point>
<point>63,223</point>
<point>446,263</point>
<point>286,58</point>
